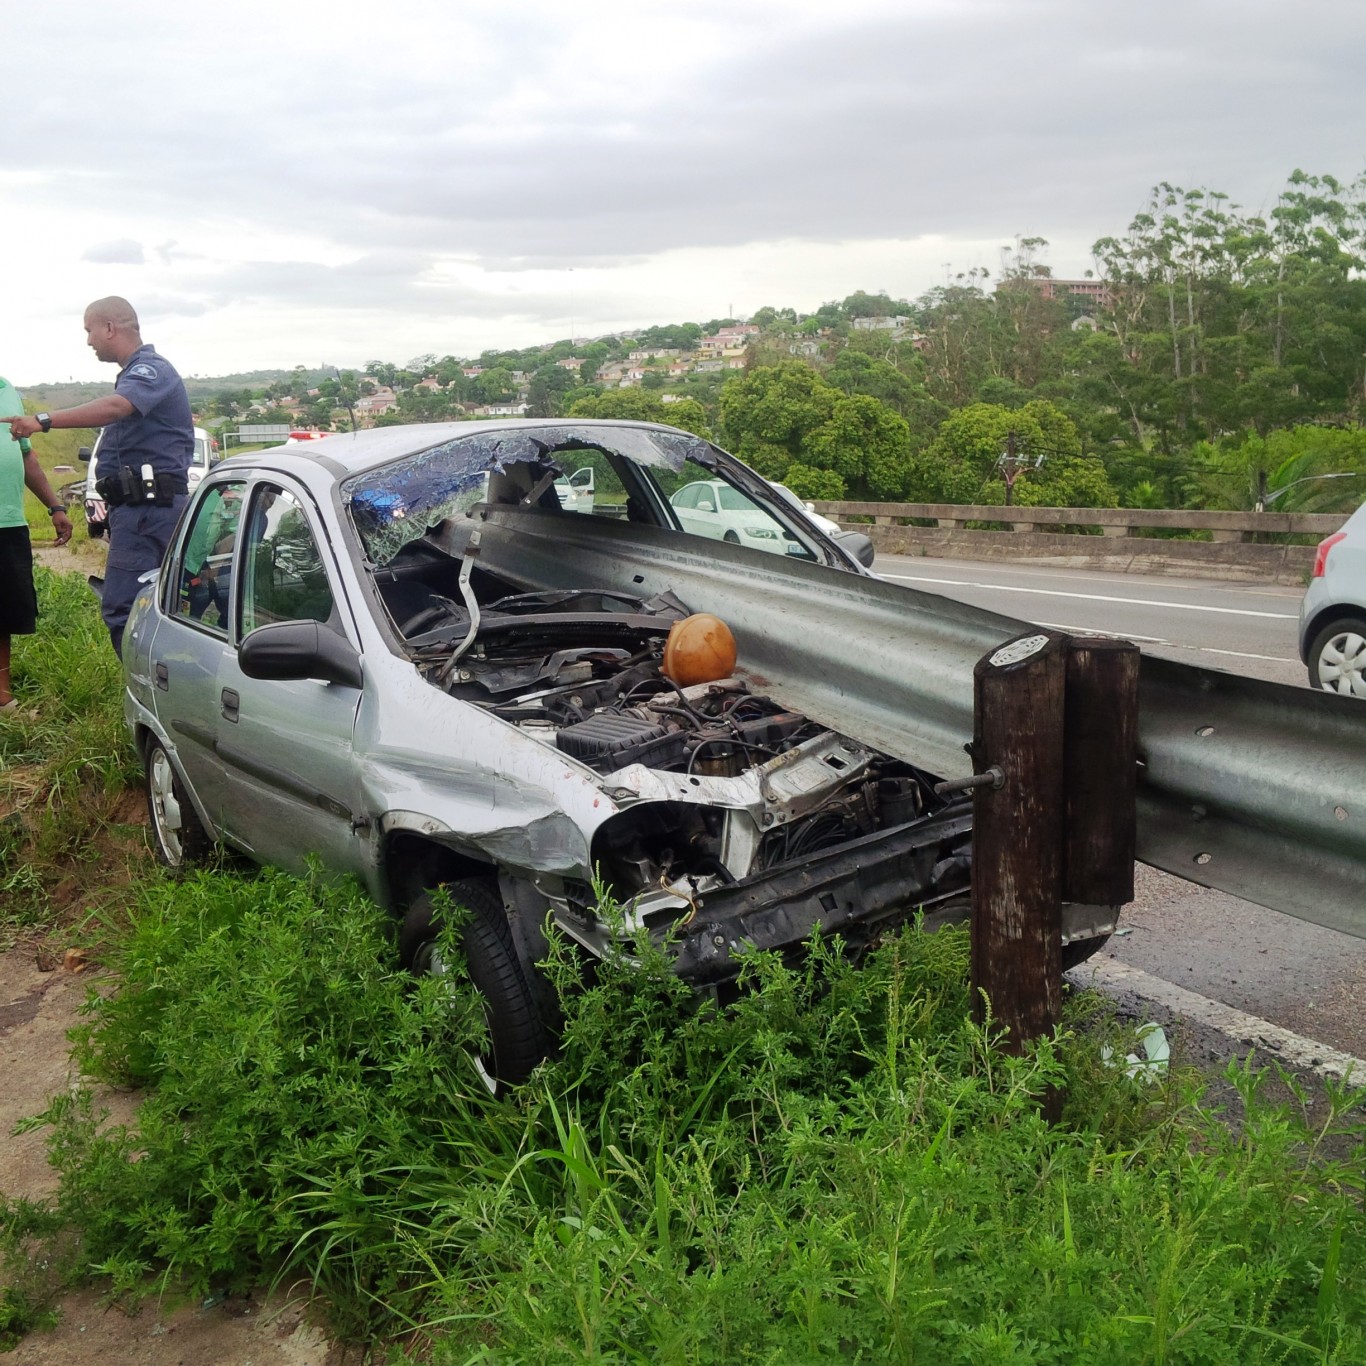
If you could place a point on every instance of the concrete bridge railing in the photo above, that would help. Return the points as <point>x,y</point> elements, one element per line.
<point>1239,544</point>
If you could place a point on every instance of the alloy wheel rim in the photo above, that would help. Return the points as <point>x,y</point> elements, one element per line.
<point>1342,665</point>
<point>166,808</point>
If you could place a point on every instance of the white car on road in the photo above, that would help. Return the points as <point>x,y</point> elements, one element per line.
<point>711,507</point>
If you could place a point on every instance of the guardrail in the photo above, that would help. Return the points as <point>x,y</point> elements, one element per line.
<point>1250,787</point>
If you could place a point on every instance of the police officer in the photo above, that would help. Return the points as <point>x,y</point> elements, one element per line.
<point>144,456</point>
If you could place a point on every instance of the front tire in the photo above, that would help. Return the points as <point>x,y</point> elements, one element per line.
<point>1337,658</point>
<point>179,838</point>
<point>1079,950</point>
<point>517,1038</point>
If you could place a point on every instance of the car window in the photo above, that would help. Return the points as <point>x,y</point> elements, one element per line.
<point>284,578</point>
<point>732,500</point>
<point>687,497</point>
<point>203,577</point>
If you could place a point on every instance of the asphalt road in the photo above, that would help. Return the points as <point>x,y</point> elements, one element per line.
<point>1303,978</point>
<point>1242,628</point>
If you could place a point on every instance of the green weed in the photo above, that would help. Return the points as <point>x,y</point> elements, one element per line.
<point>837,1164</point>
<point>66,761</point>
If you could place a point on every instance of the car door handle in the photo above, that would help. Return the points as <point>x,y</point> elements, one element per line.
<point>231,702</point>
<point>163,676</point>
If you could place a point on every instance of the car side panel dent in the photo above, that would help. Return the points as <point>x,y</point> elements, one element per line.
<point>547,841</point>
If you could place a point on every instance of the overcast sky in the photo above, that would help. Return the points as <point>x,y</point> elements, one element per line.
<point>280,183</point>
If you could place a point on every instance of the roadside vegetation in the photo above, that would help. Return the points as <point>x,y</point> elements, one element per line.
<point>69,816</point>
<point>837,1165</point>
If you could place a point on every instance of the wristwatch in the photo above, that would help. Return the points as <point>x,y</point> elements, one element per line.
<point>55,509</point>
<point>44,420</point>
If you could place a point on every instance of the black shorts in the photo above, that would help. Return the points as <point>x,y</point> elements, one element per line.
<point>18,601</point>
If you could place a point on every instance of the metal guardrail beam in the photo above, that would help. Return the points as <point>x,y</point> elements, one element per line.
<point>1253,788</point>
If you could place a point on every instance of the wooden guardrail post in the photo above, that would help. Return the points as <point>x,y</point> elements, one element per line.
<point>1017,834</point>
<point>1054,747</point>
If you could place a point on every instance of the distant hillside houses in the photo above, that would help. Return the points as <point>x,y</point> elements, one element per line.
<point>491,387</point>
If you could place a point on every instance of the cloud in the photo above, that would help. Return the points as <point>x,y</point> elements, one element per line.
<point>121,252</point>
<point>454,165</point>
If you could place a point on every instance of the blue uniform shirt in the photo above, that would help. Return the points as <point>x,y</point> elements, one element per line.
<point>160,429</point>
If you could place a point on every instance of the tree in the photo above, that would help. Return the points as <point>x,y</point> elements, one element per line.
<point>549,391</point>
<point>495,385</point>
<point>967,461</point>
<point>635,405</point>
<point>866,444</point>
<point>768,413</point>
<point>814,485</point>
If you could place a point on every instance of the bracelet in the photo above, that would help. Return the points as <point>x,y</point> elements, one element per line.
<point>55,509</point>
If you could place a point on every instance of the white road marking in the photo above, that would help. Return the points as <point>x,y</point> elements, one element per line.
<point>1157,581</point>
<point>1092,597</point>
<point>1158,640</point>
<point>1110,975</point>
<point>1244,654</point>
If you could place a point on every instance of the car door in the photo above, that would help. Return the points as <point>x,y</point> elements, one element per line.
<point>290,787</point>
<point>695,505</point>
<point>191,642</point>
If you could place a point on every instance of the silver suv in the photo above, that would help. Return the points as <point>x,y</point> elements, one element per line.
<point>1333,613</point>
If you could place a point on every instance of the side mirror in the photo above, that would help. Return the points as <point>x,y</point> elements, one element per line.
<point>858,545</point>
<point>285,651</point>
<point>83,453</point>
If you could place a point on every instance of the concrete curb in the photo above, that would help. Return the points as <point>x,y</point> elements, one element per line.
<point>1112,977</point>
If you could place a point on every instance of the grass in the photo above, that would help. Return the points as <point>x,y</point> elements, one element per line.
<point>56,448</point>
<point>66,763</point>
<point>840,1165</point>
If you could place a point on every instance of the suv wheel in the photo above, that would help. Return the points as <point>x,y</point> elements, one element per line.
<point>1337,659</point>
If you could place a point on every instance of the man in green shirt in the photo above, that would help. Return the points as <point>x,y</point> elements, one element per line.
<point>18,601</point>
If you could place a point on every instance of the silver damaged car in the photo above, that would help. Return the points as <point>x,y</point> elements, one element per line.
<point>401,653</point>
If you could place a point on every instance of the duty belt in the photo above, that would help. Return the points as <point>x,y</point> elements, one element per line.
<point>127,486</point>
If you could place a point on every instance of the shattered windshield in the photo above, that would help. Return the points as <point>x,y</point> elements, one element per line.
<point>401,502</point>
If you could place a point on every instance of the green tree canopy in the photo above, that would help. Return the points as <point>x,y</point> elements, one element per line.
<point>638,406</point>
<point>966,463</point>
<point>768,413</point>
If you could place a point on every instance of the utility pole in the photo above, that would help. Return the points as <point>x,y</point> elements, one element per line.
<point>1009,465</point>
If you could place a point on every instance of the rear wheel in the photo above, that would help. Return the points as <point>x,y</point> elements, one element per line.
<point>180,839</point>
<point>517,1038</point>
<point>1337,658</point>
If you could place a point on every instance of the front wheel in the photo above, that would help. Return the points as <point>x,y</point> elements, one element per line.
<point>1337,658</point>
<point>1079,950</point>
<point>517,1038</point>
<point>180,839</point>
